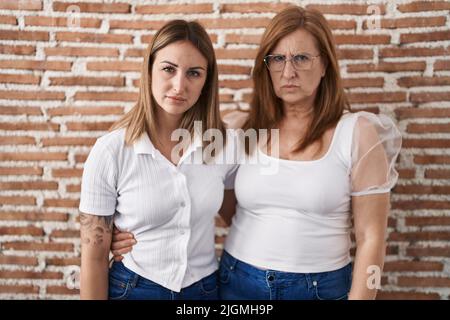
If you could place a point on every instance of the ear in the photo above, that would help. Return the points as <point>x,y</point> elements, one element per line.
<point>324,67</point>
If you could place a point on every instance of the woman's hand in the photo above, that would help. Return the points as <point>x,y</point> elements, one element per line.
<point>122,242</point>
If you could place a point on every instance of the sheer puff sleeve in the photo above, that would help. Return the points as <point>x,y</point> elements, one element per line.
<point>375,148</point>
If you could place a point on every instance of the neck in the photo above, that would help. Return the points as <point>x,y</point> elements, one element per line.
<point>296,114</point>
<point>167,123</point>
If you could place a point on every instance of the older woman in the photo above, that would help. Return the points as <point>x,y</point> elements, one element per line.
<point>290,236</point>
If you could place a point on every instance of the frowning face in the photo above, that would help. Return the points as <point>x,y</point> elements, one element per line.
<point>297,80</point>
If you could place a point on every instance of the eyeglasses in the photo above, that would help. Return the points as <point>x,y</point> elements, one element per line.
<point>276,62</point>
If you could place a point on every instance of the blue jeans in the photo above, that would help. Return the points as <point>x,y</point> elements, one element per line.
<point>125,284</point>
<point>241,281</point>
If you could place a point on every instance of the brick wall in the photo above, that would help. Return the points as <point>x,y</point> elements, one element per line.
<point>65,77</point>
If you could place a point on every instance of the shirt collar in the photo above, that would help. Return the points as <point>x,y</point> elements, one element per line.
<point>144,146</point>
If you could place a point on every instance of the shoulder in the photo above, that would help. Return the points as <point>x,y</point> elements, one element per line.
<point>111,142</point>
<point>234,119</point>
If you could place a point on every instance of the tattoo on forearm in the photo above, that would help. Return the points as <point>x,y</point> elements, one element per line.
<point>94,228</point>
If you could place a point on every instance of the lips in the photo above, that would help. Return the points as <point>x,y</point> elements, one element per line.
<point>176,98</point>
<point>289,86</point>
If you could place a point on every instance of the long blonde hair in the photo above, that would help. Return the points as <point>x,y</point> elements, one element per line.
<point>330,102</point>
<point>142,117</point>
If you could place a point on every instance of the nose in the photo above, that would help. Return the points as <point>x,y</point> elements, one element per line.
<point>179,83</point>
<point>288,70</point>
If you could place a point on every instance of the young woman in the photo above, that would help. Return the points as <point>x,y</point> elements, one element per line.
<point>290,236</point>
<point>166,198</point>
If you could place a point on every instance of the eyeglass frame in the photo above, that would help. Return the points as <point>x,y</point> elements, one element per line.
<point>292,57</point>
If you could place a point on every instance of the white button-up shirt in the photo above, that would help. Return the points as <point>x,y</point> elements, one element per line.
<point>169,209</point>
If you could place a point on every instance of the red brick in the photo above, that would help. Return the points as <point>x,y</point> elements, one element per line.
<point>221,23</point>
<point>107,96</point>
<point>424,37</point>
<point>31,95</point>
<point>41,246</point>
<point>412,266</point>
<point>416,22</point>
<point>429,159</point>
<point>236,53</point>
<point>36,65</point>
<point>441,65</point>
<point>33,231</point>
<point>72,233</point>
<point>257,7</point>
<point>412,295</point>
<point>243,38</point>
<point>388,67</point>
<point>19,289</point>
<point>355,9</point>
<point>429,128</point>
<point>89,126</point>
<point>363,82</point>
<point>407,173</point>
<point>61,22</point>
<point>17,200</point>
<point>64,111</point>
<point>421,189</point>
<point>437,174</point>
<point>406,113</point>
<point>404,281</point>
<point>73,188</point>
<point>371,97</point>
<point>361,39</point>
<point>114,66</point>
<point>81,52</point>
<point>8,20</point>
<point>17,49</point>
<point>33,156</point>
<point>30,275</point>
<point>24,35</point>
<point>94,7</point>
<point>81,158</point>
<point>176,8</point>
<point>18,260</point>
<point>428,251</point>
<point>67,173</point>
<point>136,24</point>
<point>62,290</point>
<point>236,84</point>
<point>29,185</point>
<point>426,143</point>
<point>19,78</point>
<point>68,141</point>
<point>427,221</point>
<point>29,5</point>
<point>423,81</point>
<point>29,171</point>
<point>234,69</point>
<point>62,203</point>
<point>354,54</point>
<point>93,37</point>
<point>63,262</point>
<point>413,52</point>
<point>420,6</point>
<point>15,140</point>
<point>87,81</point>
<point>33,216</point>
<point>419,236</point>
<point>36,111</point>
<point>33,126</point>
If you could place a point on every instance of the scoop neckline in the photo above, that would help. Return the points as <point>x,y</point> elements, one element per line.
<point>309,161</point>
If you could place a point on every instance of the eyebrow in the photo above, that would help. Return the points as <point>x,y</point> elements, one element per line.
<point>175,65</point>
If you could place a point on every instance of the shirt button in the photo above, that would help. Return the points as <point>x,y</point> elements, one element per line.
<point>314,283</point>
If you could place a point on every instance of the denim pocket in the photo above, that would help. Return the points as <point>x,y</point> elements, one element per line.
<point>333,285</point>
<point>118,282</point>
<point>208,285</point>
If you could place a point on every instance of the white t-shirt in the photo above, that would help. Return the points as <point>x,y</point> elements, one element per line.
<point>297,219</point>
<point>169,209</point>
